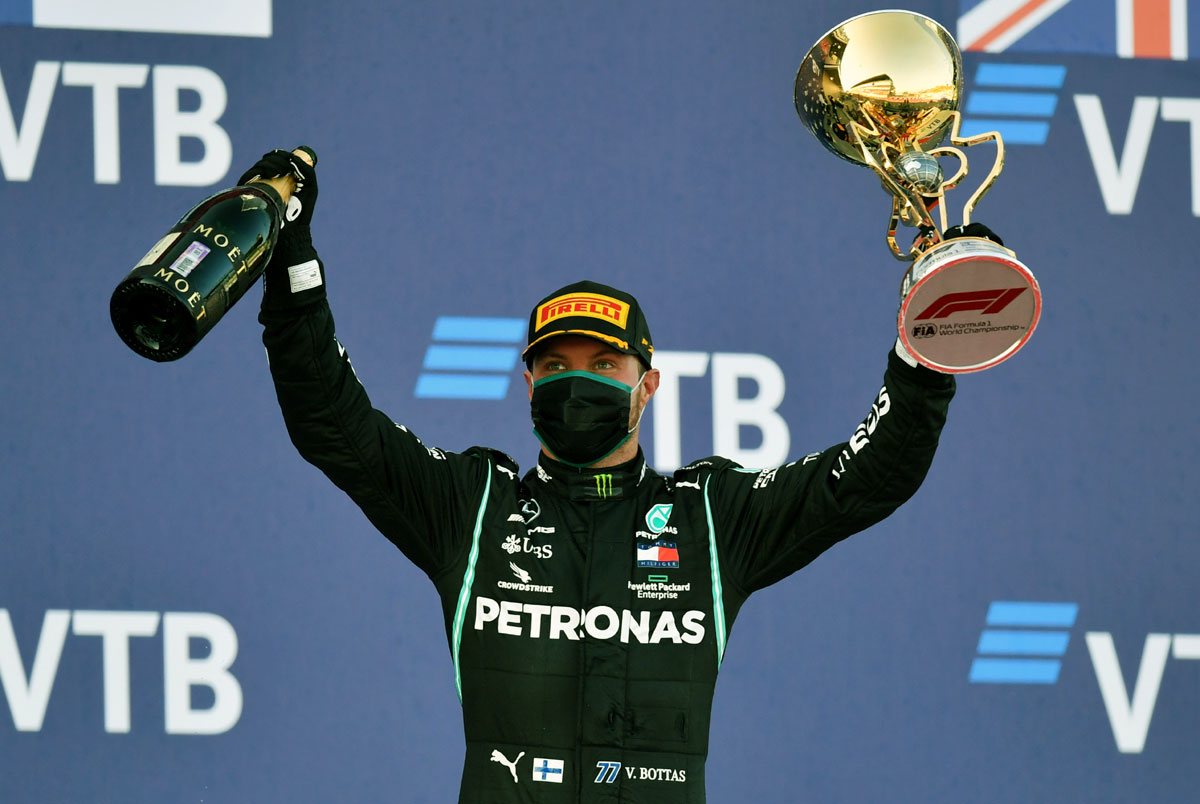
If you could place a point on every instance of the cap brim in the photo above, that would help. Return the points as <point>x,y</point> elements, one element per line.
<point>607,340</point>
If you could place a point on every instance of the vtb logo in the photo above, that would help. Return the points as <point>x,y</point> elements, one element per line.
<point>986,302</point>
<point>1024,642</point>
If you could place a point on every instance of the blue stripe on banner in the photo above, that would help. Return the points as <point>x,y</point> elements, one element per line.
<point>461,386</point>
<point>1033,104</point>
<point>471,358</point>
<point>1034,76</point>
<point>1015,671</point>
<point>487,330</point>
<point>1014,132</point>
<point>1024,643</point>
<point>1022,613</point>
<point>16,12</point>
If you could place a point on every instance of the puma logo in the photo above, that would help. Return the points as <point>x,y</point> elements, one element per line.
<point>503,760</point>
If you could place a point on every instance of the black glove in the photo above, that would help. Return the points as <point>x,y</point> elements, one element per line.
<point>295,275</point>
<point>925,233</point>
<point>972,230</point>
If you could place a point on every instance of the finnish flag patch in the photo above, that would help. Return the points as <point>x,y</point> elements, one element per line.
<point>547,770</point>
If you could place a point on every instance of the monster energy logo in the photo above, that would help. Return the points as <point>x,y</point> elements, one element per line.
<point>604,484</point>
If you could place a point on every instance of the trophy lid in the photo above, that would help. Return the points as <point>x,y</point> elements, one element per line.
<point>896,74</point>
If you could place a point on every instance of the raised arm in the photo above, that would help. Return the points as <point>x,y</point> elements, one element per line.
<point>420,498</point>
<point>771,523</point>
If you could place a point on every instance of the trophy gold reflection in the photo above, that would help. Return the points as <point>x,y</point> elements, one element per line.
<point>883,90</point>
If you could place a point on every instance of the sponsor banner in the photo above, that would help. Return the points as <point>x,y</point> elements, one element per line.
<point>213,17</point>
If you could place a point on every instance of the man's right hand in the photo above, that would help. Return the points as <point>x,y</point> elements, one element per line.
<point>295,271</point>
<point>282,163</point>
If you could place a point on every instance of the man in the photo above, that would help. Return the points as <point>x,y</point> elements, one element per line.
<point>587,604</point>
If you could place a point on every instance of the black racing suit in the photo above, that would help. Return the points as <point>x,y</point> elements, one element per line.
<point>587,611</point>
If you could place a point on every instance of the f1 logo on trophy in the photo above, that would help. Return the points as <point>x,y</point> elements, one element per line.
<point>882,90</point>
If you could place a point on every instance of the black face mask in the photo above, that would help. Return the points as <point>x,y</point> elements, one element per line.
<point>581,417</point>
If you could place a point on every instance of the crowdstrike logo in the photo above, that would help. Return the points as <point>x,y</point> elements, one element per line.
<point>1024,643</point>
<point>524,584</point>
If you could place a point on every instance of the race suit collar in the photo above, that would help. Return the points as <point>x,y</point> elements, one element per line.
<point>611,482</point>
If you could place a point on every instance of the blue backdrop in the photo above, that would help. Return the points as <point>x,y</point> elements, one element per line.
<point>189,612</point>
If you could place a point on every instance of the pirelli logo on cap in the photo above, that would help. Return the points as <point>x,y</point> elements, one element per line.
<point>589,305</point>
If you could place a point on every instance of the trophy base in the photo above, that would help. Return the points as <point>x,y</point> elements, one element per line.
<point>969,304</point>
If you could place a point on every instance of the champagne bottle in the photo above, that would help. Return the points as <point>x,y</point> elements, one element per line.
<point>199,269</point>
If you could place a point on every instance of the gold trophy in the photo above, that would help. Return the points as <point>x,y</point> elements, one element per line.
<point>882,90</point>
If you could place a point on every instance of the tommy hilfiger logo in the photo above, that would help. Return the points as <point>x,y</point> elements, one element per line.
<point>658,554</point>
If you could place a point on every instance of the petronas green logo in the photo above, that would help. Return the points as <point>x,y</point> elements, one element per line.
<point>604,486</point>
<point>656,517</point>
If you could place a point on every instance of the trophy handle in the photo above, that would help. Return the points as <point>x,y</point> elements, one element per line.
<point>918,211</point>
<point>924,242</point>
<point>997,163</point>
<point>285,185</point>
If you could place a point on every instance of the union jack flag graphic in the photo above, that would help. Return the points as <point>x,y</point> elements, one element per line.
<point>1130,29</point>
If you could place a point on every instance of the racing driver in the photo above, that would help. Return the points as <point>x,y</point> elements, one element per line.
<point>586,603</point>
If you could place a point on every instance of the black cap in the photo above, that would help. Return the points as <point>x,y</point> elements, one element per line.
<point>592,310</point>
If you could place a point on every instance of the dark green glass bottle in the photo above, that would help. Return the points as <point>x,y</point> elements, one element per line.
<point>199,269</point>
